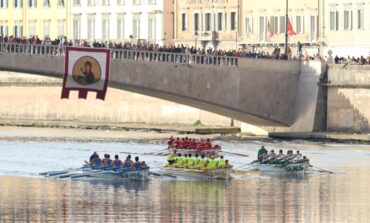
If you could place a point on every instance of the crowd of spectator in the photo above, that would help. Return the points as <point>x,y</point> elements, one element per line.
<point>276,53</point>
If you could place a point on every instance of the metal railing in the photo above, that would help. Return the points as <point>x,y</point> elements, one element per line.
<point>123,54</point>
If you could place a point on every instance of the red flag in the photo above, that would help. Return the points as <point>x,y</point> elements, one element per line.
<point>290,29</point>
<point>271,32</point>
<point>86,69</point>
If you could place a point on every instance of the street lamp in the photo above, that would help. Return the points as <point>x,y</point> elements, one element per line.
<point>286,30</point>
<point>196,40</point>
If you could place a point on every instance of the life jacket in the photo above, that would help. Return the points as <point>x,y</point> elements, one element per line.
<point>211,163</point>
<point>170,157</point>
<point>221,163</point>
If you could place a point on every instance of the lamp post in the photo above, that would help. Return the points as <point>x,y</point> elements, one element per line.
<point>196,40</point>
<point>286,30</point>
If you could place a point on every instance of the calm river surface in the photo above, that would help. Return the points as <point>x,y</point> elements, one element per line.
<point>24,196</point>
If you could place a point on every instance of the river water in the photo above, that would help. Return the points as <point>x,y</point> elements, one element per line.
<point>320,197</point>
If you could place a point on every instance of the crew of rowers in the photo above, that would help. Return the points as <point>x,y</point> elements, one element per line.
<point>264,157</point>
<point>107,162</point>
<point>188,143</point>
<point>196,162</point>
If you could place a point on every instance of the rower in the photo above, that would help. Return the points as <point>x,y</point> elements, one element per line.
<point>179,161</point>
<point>211,163</point>
<point>128,162</point>
<point>202,162</point>
<point>194,162</point>
<point>227,164</point>
<point>92,157</point>
<point>298,156</point>
<point>117,163</point>
<point>97,162</point>
<point>221,162</point>
<point>171,158</point>
<point>170,142</point>
<point>261,153</point>
<point>177,143</point>
<point>190,162</point>
<point>208,144</point>
<point>108,161</point>
<point>137,164</point>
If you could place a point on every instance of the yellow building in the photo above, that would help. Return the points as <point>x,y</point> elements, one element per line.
<point>264,24</point>
<point>26,18</point>
<point>207,23</point>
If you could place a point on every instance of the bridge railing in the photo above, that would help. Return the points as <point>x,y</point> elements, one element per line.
<point>124,54</point>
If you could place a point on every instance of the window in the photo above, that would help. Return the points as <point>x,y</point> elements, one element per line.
<point>313,32</point>
<point>262,28</point>
<point>152,29</point>
<point>196,22</point>
<point>151,2</point>
<point>60,3</point>
<point>136,28</point>
<point>32,3</point>
<point>90,2</point>
<point>282,24</point>
<point>183,22</point>
<point>3,3</point>
<point>208,21</point>
<point>275,24</point>
<point>76,28</point>
<point>91,27</point>
<point>334,17</point>
<point>120,27</point>
<point>299,24</point>
<point>31,29</point>
<point>136,2</point>
<point>18,3</point>
<point>105,2</point>
<point>18,31</point>
<point>120,2</point>
<point>225,21</point>
<point>76,2</point>
<point>219,21</point>
<point>105,27</point>
<point>233,21</point>
<point>46,3</point>
<point>3,30</point>
<point>360,18</point>
<point>60,28</point>
<point>248,26</point>
<point>347,23</point>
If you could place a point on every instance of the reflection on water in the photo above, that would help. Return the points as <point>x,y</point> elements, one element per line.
<point>249,198</point>
<point>320,198</point>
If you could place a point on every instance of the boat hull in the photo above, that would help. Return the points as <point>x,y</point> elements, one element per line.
<point>299,167</point>
<point>142,174</point>
<point>223,173</point>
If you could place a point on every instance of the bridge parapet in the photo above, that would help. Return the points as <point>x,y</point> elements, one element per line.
<point>124,54</point>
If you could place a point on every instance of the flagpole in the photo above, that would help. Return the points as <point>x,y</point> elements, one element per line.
<point>286,30</point>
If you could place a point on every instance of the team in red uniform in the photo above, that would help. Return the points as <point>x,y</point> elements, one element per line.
<point>187,143</point>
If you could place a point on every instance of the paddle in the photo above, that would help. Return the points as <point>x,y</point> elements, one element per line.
<point>57,172</point>
<point>322,170</point>
<point>162,174</point>
<point>238,154</point>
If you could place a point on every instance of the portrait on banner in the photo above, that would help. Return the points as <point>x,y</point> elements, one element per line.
<point>86,69</point>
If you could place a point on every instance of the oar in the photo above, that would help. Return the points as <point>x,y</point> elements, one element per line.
<point>56,172</point>
<point>322,170</point>
<point>238,154</point>
<point>162,174</point>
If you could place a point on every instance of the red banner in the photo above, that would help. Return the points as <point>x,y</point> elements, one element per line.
<point>86,69</point>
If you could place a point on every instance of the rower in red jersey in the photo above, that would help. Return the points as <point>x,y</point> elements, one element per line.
<point>177,143</point>
<point>170,142</point>
<point>193,144</point>
<point>201,145</point>
<point>208,144</point>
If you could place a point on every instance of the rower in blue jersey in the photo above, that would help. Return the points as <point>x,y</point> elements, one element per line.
<point>97,162</point>
<point>128,162</point>
<point>137,164</point>
<point>108,161</point>
<point>117,163</point>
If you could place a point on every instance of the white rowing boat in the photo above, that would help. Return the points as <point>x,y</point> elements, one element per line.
<point>291,167</point>
<point>220,173</point>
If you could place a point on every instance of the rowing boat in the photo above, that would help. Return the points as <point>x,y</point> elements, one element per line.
<point>122,173</point>
<point>290,167</point>
<point>220,173</point>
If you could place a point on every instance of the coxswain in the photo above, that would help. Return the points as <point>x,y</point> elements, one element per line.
<point>221,162</point>
<point>261,153</point>
<point>117,163</point>
<point>92,157</point>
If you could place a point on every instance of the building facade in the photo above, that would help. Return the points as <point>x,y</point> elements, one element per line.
<point>207,23</point>
<point>122,20</point>
<point>347,28</point>
<point>27,18</point>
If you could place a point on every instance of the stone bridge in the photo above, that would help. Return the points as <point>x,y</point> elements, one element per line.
<point>256,91</point>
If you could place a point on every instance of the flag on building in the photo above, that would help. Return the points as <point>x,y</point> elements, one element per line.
<point>270,31</point>
<point>86,69</point>
<point>290,29</point>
